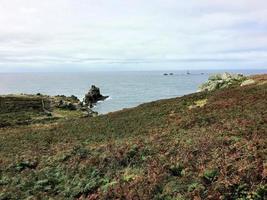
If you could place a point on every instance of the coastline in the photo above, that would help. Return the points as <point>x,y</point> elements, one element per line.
<point>61,107</point>
<point>184,147</point>
<point>133,89</point>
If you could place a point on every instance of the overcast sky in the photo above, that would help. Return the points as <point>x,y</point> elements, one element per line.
<point>73,35</point>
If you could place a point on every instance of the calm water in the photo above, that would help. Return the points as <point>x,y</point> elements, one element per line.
<point>126,89</point>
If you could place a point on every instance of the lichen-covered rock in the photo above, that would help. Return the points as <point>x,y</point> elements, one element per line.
<point>220,81</point>
<point>248,82</point>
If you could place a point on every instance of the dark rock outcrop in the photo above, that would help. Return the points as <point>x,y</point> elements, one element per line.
<point>93,96</point>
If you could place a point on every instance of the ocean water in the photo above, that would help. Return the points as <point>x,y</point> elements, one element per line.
<point>125,89</point>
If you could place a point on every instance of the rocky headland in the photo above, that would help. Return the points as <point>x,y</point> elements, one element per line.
<point>29,108</point>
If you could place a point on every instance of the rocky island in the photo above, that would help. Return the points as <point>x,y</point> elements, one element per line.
<point>207,145</point>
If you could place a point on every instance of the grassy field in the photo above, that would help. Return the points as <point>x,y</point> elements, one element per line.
<point>209,145</point>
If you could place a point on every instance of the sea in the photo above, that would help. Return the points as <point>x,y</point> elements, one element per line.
<point>125,89</point>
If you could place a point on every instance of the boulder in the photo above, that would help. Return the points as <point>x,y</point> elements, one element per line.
<point>248,82</point>
<point>93,96</point>
<point>67,103</point>
<point>226,76</point>
<point>89,113</point>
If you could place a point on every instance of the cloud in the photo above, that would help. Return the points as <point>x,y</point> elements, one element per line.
<point>98,33</point>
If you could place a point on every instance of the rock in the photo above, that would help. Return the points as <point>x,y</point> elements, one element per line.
<point>226,76</point>
<point>238,77</point>
<point>85,114</point>
<point>67,105</point>
<point>247,82</point>
<point>48,113</point>
<point>93,96</point>
<point>220,81</point>
<point>74,98</point>
<point>89,113</point>
<point>95,114</point>
<point>215,77</point>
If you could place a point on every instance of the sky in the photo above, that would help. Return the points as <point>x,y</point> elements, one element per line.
<point>78,35</point>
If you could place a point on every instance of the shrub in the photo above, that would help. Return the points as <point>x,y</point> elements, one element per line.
<point>210,175</point>
<point>195,186</point>
<point>26,164</point>
<point>176,170</point>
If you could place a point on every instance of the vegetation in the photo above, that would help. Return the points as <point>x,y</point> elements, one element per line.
<point>16,110</point>
<point>207,145</point>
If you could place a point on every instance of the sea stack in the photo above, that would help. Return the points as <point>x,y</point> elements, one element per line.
<point>93,96</point>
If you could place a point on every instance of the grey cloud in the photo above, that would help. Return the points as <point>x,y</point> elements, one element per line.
<point>90,32</point>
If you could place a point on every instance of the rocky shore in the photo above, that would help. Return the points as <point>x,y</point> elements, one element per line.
<point>29,108</point>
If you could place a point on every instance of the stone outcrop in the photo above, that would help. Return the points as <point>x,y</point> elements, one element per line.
<point>67,103</point>
<point>248,82</point>
<point>43,104</point>
<point>51,105</point>
<point>93,96</point>
<point>220,81</point>
<point>72,103</point>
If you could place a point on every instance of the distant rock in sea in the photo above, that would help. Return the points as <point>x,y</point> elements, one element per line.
<point>166,74</point>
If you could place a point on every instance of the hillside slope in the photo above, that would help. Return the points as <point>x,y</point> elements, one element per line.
<point>208,145</point>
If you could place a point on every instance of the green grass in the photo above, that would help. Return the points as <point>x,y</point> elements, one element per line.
<point>23,118</point>
<point>158,150</point>
<point>34,117</point>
